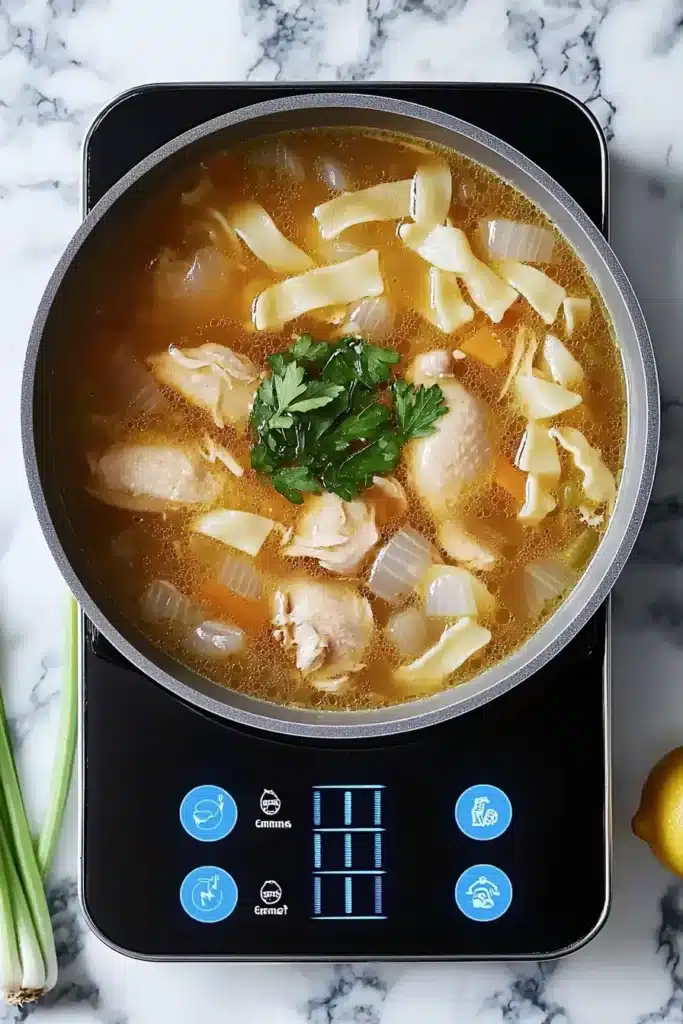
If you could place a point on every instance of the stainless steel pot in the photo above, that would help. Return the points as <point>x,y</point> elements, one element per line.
<point>40,415</point>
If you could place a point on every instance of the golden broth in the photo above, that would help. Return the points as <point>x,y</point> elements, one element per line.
<point>129,303</point>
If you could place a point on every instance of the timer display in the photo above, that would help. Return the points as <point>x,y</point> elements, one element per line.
<point>348,853</point>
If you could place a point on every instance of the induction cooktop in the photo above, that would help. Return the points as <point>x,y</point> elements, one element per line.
<point>484,837</point>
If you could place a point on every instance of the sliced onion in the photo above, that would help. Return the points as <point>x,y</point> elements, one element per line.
<point>408,632</point>
<point>334,174</point>
<point>451,591</point>
<point>213,639</point>
<point>564,368</point>
<point>543,581</point>
<point>239,574</point>
<point>162,602</point>
<point>276,157</point>
<point>207,272</point>
<point>539,501</point>
<point>577,311</point>
<point>435,363</point>
<point>373,319</point>
<point>456,644</point>
<point>242,530</point>
<point>537,452</point>
<point>400,564</point>
<point>543,399</point>
<point>510,240</point>
<point>135,385</point>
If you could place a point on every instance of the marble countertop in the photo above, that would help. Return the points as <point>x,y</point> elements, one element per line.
<point>60,61</point>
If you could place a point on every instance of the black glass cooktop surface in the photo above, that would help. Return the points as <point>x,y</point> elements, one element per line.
<point>484,837</point>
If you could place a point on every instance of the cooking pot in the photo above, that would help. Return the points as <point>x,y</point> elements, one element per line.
<point>48,353</point>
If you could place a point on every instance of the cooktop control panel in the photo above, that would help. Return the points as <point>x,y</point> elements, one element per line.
<point>486,836</point>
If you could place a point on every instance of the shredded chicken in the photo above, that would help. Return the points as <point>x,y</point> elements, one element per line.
<point>211,377</point>
<point>463,543</point>
<point>330,624</point>
<point>339,534</point>
<point>388,498</point>
<point>213,451</point>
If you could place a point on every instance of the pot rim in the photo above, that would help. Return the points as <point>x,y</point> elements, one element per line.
<point>596,581</point>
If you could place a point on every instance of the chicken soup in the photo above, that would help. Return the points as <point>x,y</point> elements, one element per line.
<point>348,421</point>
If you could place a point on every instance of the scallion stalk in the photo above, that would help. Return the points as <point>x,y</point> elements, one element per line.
<point>28,961</point>
<point>32,975</point>
<point>22,852</point>
<point>66,746</point>
<point>10,962</point>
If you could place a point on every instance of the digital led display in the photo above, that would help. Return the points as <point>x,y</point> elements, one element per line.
<point>348,853</point>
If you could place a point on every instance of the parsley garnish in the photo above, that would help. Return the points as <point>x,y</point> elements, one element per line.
<point>417,408</point>
<point>291,395</point>
<point>328,416</point>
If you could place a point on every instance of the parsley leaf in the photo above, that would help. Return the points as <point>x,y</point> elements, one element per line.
<point>284,393</point>
<point>263,460</point>
<point>278,363</point>
<point>318,394</point>
<point>292,480</point>
<point>308,353</point>
<point>311,354</point>
<point>355,473</point>
<point>365,425</point>
<point>377,361</point>
<point>356,361</point>
<point>417,409</point>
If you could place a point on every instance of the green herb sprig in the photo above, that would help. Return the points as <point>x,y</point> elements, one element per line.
<point>330,417</point>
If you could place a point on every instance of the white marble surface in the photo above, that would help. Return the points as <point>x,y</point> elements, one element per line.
<point>60,60</point>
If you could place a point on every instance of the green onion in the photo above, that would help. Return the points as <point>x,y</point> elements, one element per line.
<point>28,961</point>
<point>66,747</point>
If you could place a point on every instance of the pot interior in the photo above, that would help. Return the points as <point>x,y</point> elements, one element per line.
<point>51,368</point>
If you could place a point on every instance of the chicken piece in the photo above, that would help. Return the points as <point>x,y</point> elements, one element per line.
<point>212,377</point>
<point>388,498</point>
<point>154,477</point>
<point>461,451</point>
<point>330,624</point>
<point>339,534</point>
<point>468,544</point>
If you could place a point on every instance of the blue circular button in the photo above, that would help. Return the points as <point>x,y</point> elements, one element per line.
<point>208,813</point>
<point>483,892</point>
<point>208,895</point>
<point>483,812</point>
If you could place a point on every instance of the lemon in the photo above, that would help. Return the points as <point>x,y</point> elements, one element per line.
<point>659,819</point>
